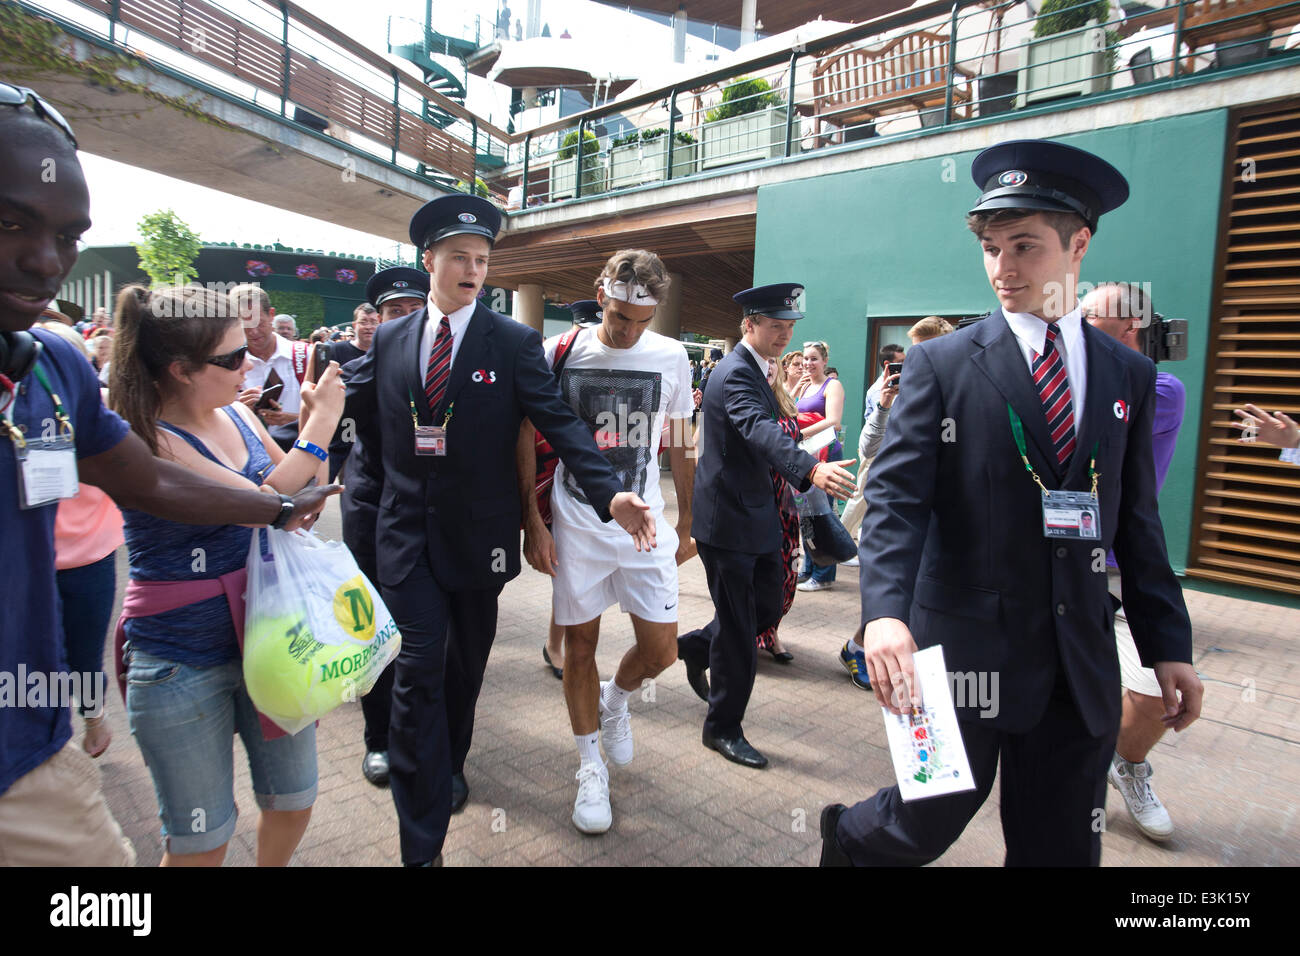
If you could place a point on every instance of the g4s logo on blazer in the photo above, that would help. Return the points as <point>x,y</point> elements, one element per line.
<point>484,375</point>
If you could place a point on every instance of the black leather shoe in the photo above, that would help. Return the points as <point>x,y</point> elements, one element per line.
<point>557,671</point>
<point>694,673</point>
<point>785,657</point>
<point>736,749</point>
<point>375,767</point>
<point>832,853</point>
<point>459,792</point>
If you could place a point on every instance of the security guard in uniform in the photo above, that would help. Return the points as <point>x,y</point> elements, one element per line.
<point>393,293</point>
<point>735,522</point>
<point>1011,441</point>
<point>397,291</point>
<point>437,403</point>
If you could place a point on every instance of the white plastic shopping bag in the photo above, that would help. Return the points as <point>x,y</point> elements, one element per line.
<point>316,632</point>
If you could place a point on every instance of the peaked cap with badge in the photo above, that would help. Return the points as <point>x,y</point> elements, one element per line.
<point>586,312</point>
<point>454,215</point>
<point>1041,174</point>
<point>396,283</point>
<point>777,301</point>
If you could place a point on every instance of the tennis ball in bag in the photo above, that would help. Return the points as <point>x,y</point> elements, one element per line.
<point>292,677</point>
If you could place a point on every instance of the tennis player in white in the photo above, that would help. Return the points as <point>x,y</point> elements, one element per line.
<point>633,389</point>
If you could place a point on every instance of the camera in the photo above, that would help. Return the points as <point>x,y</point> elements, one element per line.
<point>1165,340</point>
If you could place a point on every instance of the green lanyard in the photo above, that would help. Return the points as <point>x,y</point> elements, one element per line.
<point>415,419</point>
<point>65,424</point>
<point>1018,430</point>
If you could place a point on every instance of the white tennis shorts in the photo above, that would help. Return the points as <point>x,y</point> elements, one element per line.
<point>1132,675</point>
<point>598,570</point>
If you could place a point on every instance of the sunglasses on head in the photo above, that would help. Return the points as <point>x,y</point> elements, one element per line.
<point>230,360</point>
<point>820,345</point>
<point>20,96</point>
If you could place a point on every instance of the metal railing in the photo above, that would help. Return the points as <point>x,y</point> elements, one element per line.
<point>933,66</point>
<point>274,55</point>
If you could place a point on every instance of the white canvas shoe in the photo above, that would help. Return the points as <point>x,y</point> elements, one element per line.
<point>591,812</point>
<point>615,732</point>
<point>1133,781</point>
<point>812,584</point>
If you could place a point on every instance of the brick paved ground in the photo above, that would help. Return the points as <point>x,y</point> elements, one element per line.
<point>1229,782</point>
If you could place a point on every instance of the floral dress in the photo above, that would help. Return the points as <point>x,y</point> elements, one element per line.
<point>789,539</point>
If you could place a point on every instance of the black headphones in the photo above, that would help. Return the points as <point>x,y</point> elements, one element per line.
<point>18,354</point>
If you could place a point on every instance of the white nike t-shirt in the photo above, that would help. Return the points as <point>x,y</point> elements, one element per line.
<point>624,396</point>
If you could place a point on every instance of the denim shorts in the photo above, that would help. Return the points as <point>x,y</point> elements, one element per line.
<point>184,719</point>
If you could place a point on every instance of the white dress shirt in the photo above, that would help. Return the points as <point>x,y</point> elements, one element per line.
<point>1031,334</point>
<point>763,364</point>
<point>459,322</point>
<point>281,360</point>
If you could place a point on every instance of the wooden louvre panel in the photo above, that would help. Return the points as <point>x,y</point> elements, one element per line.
<point>1248,502</point>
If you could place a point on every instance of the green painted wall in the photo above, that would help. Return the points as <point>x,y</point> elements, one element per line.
<point>889,242</point>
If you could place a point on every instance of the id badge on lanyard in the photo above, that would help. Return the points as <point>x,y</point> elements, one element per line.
<point>1066,514</point>
<point>430,439</point>
<point>47,467</point>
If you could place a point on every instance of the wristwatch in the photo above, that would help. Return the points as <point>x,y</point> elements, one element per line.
<point>286,509</point>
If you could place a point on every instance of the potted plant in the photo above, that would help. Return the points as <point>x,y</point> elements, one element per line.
<point>748,124</point>
<point>1072,54</point>
<point>642,157</point>
<point>562,167</point>
<point>997,88</point>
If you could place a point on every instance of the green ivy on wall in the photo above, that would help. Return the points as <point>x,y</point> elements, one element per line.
<point>307,308</point>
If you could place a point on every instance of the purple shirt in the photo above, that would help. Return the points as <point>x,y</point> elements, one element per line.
<point>816,402</point>
<point>1171,397</point>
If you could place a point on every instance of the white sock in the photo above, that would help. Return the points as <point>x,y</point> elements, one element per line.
<point>588,747</point>
<point>614,697</point>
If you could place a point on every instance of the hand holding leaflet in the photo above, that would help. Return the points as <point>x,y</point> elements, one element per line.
<point>926,746</point>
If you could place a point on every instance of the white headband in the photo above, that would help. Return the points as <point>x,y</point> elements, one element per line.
<point>635,295</point>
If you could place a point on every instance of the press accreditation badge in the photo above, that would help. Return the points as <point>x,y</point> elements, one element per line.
<point>430,440</point>
<point>47,472</point>
<point>1071,514</point>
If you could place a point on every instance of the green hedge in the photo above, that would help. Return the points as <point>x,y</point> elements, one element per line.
<point>307,308</point>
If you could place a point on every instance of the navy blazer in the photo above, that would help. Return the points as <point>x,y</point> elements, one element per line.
<point>733,506</point>
<point>463,508</point>
<point>953,538</point>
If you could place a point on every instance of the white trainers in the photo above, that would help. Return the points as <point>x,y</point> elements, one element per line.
<point>813,585</point>
<point>1132,780</point>
<point>615,732</point>
<point>851,562</point>
<point>591,812</point>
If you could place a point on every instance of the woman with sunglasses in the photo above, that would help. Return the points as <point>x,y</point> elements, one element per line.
<point>179,358</point>
<point>821,396</point>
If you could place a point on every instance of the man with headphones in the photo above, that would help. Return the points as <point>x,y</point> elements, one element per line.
<point>54,432</point>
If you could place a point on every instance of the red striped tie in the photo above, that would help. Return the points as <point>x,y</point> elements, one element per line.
<point>1054,390</point>
<point>435,380</point>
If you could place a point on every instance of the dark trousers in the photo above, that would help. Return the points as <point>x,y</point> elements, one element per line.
<point>377,706</point>
<point>446,639</point>
<point>747,596</point>
<point>1053,798</point>
<point>87,594</point>
<point>359,535</point>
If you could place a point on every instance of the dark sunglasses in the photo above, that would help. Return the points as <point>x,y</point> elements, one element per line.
<point>231,360</point>
<point>20,96</point>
